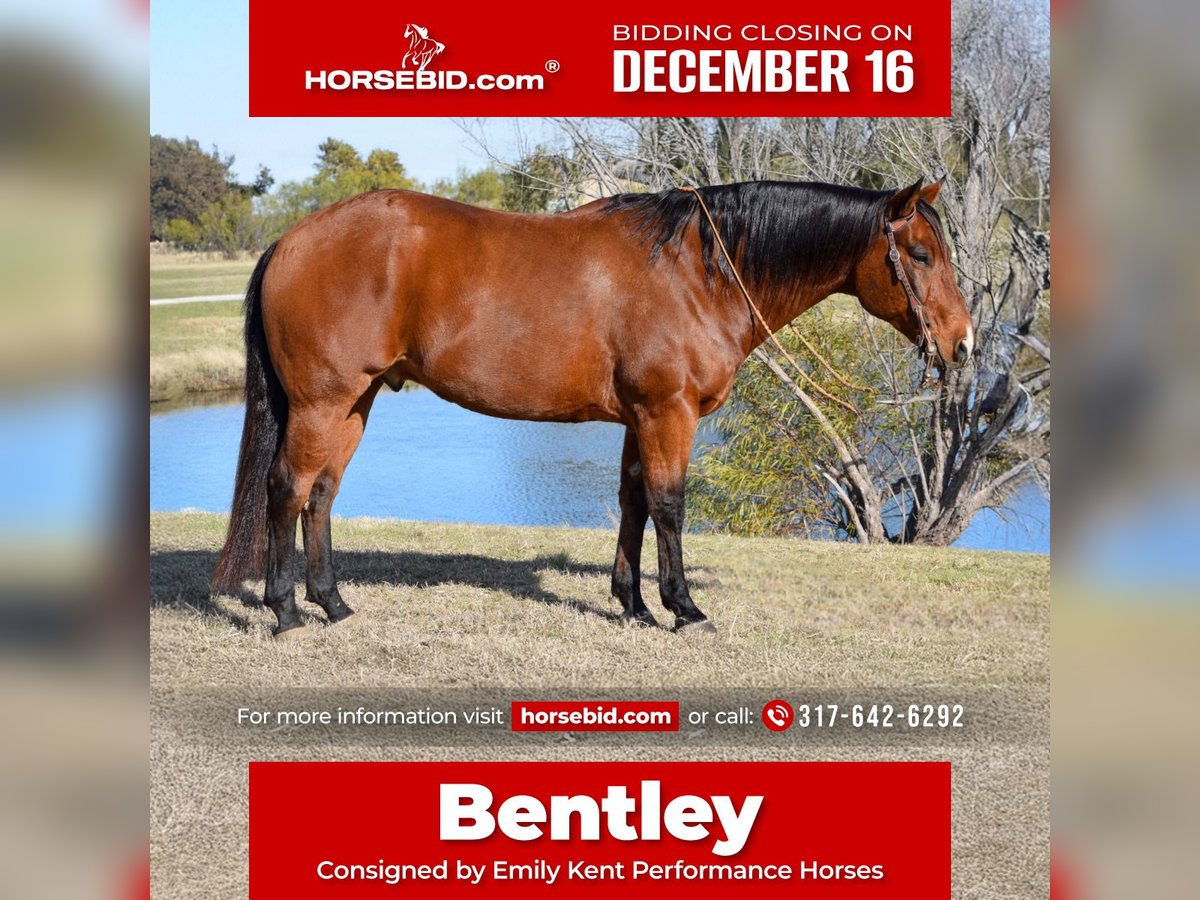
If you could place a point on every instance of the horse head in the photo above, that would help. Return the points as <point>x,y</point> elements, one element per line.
<point>907,279</point>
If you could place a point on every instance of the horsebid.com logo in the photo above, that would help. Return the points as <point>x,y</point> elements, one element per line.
<point>414,75</point>
<point>421,47</point>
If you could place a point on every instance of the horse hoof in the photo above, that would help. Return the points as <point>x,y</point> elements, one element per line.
<point>340,614</point>
<point>295,633</point>
<point>695,626</point>
<point>347,625</point>
<point>644,618</point>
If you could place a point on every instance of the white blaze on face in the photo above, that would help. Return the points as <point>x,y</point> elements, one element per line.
<point>970,340</point>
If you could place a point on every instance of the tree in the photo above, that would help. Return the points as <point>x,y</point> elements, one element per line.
<point>988,431</point>
<point>230,226</point>
<point>340,173</point>
<point>184,181</point>
<point>541,181</point>
<point>262,182</point>
<point>913,466</point>
<point>184,234</point>
<point>196,203</point>
<point>484,187</point>
<point>336,159</point>
<point>766,474</point>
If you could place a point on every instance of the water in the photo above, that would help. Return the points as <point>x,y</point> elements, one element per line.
<point>424,459</point>
<point>421,458</point>
<point>1023,524</point>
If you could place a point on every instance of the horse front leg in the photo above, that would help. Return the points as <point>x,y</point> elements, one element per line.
<point>627,574</point>
<point>665,439</point>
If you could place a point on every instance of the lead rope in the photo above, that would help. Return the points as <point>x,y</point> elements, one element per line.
<point>845,404</point>
<point>862,389</point>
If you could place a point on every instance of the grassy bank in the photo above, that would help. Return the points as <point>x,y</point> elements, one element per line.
<point>438,603</point>
<point>195,348</point>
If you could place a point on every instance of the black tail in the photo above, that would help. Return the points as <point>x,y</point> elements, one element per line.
<point>266,416</point>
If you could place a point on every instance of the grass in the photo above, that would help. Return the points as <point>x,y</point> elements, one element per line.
<point>197,275</point>
<point>530,607</point>
<point>196,348</point>
<point>526,611</point>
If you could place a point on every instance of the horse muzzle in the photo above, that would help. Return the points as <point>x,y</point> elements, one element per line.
<point>964,349</point>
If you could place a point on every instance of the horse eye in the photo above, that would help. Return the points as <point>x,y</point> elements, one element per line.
<point>919,256</point>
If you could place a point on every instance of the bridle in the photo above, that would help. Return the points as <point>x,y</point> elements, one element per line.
<point>927,344</point>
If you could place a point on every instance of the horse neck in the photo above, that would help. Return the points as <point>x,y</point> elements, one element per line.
<point>781,306</point>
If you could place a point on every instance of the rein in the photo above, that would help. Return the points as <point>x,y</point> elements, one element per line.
<point>845,404</point>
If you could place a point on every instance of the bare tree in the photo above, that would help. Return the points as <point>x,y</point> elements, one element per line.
<point>909,468</point>
<point>987,432</point>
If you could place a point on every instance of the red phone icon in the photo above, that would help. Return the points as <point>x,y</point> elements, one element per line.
<point>778,715</point>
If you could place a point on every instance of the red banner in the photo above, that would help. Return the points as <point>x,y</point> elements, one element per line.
<point>523,830</point>
<point>377,58</point>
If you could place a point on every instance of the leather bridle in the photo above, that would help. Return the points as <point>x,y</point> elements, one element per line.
<point>927,344</point>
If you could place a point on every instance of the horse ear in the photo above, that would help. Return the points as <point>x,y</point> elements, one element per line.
<point>903,203</point>
<point>930,192</point>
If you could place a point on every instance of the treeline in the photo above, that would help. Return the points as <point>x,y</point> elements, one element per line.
<point>197,204</point>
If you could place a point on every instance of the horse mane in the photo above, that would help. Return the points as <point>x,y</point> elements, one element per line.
<point>423,32</point>
<point>784,235</point>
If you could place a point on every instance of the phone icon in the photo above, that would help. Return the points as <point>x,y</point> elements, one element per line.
<point>777,715</point>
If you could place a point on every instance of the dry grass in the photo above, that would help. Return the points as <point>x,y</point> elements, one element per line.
<point>530,607</point>
<point>195,348</point>
<point>174,375</point>
<point>527,611</point>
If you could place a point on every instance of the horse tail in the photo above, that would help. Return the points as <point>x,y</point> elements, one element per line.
<point>266,417</point>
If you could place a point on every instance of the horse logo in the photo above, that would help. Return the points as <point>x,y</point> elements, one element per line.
<point>421,47</point>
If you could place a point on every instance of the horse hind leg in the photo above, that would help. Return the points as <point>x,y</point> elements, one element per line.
<point>306,449</point>
<point>320,579</point>
<point>316,515</point>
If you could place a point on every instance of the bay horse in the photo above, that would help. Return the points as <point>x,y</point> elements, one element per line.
<point>622,310</point>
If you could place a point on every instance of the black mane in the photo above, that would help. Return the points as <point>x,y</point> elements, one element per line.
<point>785,235</point>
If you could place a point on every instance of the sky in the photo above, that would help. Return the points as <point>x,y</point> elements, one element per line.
<point>199,89</point>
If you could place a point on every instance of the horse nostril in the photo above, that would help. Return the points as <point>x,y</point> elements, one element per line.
<point>962,352</point>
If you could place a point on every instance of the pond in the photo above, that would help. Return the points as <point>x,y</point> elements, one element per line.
<point>425,459</point>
